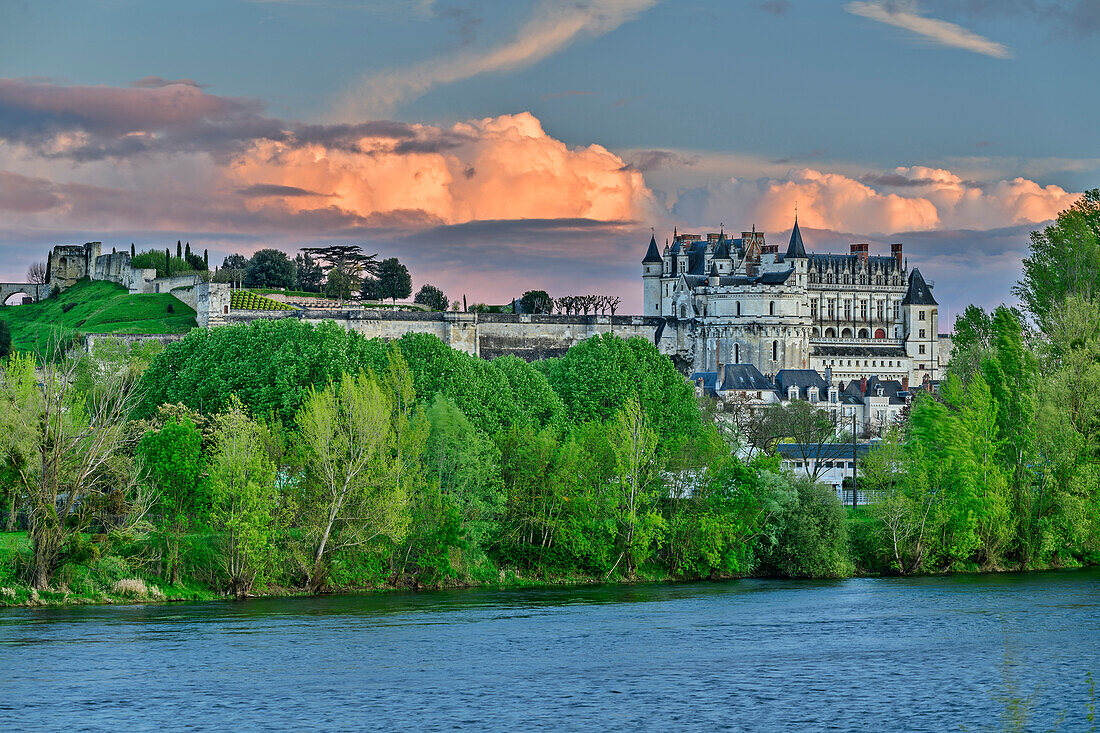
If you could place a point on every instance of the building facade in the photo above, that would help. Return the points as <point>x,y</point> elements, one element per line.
<point>741,301</point>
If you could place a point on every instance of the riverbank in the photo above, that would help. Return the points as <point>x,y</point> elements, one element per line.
<point>114,580</point>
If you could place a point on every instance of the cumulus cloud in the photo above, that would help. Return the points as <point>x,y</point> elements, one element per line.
<point>906,199</point>
<point>553,27</point>
<point>906,15</point>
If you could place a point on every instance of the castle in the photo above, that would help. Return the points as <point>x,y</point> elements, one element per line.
<point>741,301</point>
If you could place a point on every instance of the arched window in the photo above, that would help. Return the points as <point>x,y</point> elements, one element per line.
<point>739,309</point>
<point>771,308</point>
<point>737,353</point>
<point>830,333</point>
<point>775,350</point>
<point>879,333</point>
<point>683,311</point>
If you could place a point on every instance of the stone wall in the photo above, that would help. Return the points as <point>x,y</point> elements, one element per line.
<point>488,335</point>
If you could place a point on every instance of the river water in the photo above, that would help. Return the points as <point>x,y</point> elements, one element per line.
<point>924,654</point>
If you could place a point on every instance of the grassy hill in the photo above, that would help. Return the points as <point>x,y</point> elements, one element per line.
<point>95,307</point>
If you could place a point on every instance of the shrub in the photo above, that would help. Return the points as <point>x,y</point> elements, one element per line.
<point>812,540</point>
<point>249,301</point>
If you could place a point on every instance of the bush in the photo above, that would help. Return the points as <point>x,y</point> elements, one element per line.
<point>244,300</point>
<point>67,307</point>
<point>812,541</point>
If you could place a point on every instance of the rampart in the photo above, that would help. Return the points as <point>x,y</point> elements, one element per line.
<point>488,335</point>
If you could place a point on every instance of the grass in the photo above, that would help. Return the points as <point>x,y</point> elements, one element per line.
<point>106,579</point>
<point>95,307</point>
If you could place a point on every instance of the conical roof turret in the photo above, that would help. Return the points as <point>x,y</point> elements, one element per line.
<point>652,255</point>
<point>795,248</point>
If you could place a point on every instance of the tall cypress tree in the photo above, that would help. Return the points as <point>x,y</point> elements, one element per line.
<point>187,251</point>
<point>179,250</point>
<point>206,258</point>
<point>167,262</point>
<point>133,252</point>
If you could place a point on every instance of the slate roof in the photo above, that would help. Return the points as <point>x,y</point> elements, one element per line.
<point>803,379</point>
<point>722,251</point>
<point>824,452</point>
<point>744,377</point>
<point>918,293</point>
<point>767,278</point>
<point>710,381</point>
<point>891,388</point>
<point>652,254</point>
<point>795,248</point>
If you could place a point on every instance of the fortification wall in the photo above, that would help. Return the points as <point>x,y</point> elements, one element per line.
<point>488,335</point>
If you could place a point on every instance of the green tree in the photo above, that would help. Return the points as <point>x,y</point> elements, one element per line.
<point>432,297</point>
<point>308,275</point>
<point>175,469</point>
<point>634,445</point>
<point>244,500</point>
<point>537,301</point>
<point>351,499</point>
<point>269,268</point>
<point>5,339</point>
<point>812,541</point>
<point>371,289</point>
<point>1064,259</point>
<point>394,279</point>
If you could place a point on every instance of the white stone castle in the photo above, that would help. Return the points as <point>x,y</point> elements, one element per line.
<point>739,301</point>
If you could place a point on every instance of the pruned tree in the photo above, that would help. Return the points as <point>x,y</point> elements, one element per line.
<point>613,303</point>
<point>36,273</point>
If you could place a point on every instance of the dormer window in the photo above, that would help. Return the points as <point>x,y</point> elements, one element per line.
<point>792,393</point>
<point>812,394</point>
<point>832,395</point>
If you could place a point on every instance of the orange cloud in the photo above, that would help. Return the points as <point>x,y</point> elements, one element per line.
<point>907,199</point>
<point>503,167</point>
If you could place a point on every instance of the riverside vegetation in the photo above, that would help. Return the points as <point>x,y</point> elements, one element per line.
<point>283,457</point>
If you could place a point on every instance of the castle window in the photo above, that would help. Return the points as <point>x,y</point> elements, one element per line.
<point>896,311</point>
<point>878,311</point>
<point>739,307</point>
<point>922,333</point>
<point>863,310</point>
<point>683,311</point>
<point>771,308</point>
<point>737,353</point>
<point>847,310</point>
<point>920,315</point>
<point>813,309</point>
<point>775,350</point>
<point>920,349</point>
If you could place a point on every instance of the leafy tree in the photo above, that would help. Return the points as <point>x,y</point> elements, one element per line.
<point>432,297</point>
<point>235,262</point>
<point>371,289</point>
<point>394,279</point>
<point>269,268</point>
<point>1064,259</point>
<point>808,427</point>
<point>537,301</point>
<point>812,541</point>
<point>634,445</point>
<point>175,468</point>
<point>308,275</point>
<point>244,500</point>
<point>597,376</point>
<point>69,451</point>
<point>5,339</point>
<point>346,263</point>
<point>351,498</point>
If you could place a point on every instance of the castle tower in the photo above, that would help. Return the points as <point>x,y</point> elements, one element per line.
<point>796,255</point>
<point>652,269</point>
<point>921,321</point>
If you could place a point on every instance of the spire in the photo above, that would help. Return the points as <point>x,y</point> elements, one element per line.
<point>795,248</point>
<point>918,293</point>
<point>652,255</point>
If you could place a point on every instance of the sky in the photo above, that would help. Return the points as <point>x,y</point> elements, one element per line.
<point>496,147</point>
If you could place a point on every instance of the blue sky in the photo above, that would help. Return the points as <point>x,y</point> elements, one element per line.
<point>883,119</point>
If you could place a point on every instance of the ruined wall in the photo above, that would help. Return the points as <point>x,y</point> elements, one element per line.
<point>69,263</point>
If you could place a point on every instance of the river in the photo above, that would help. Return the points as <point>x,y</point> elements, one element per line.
<point>921,654</point>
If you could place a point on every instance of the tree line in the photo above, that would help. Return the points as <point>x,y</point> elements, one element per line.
<point>280,454</point>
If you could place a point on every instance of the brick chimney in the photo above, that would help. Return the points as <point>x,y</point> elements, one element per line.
<point>863,385</point>
<point>895,252</point>
<point>860,250</point>
<point>905,383</point>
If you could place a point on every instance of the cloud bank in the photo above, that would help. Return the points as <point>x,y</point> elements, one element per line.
<point>487,207</point>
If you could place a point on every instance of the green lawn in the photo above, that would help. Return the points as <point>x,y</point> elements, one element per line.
<point>95,307</point>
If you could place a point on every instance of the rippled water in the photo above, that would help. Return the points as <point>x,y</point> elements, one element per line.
<point>924,654</point>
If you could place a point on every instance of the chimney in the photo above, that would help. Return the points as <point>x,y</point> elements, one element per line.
<point>863,385</point>
<point>829,375</point>
<point>860,250</point>
<point>905,383</point>
<point>895,252</point>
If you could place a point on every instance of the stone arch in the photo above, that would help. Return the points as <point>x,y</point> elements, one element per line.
<point>879,333</point>
<point>830,333</point>
<point>846,333</point>
<point>863,333</point>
